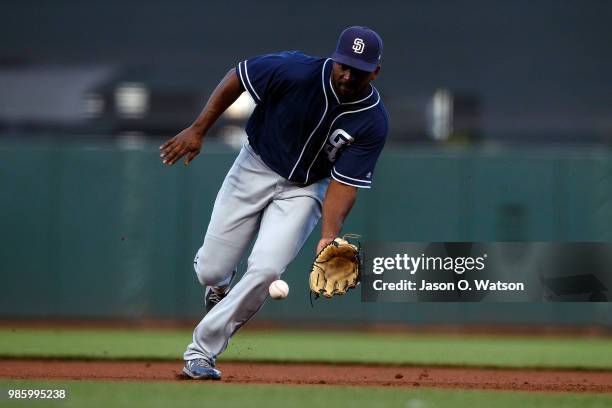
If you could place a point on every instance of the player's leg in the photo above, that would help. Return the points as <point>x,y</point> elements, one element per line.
<point>286,223</point>
<point>245,192</point>
<point>249,186</point>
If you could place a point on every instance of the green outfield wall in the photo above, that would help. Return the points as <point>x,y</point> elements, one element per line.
<point>104,230</point>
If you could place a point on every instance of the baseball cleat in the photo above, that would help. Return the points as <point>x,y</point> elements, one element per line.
<point>213,295</point>
<point>201,369</point>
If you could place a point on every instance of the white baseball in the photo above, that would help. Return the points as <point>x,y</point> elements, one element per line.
<point>278,289</point>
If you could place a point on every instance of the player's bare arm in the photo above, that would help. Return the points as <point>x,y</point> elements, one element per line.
<point>189,141</point>
<point>337,204</point>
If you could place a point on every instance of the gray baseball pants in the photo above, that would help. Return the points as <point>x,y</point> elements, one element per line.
<point>253,200</point>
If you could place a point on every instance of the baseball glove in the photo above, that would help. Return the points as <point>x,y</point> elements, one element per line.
<point>336,269</point>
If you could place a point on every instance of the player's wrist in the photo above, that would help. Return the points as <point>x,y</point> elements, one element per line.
<point>198,129</point>
<point>323,242</point>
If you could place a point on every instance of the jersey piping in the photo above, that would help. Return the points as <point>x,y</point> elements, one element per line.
<point>318,124</point>
<point>249,88</point>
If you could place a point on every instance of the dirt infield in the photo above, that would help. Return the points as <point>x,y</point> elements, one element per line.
<point>318,374</point>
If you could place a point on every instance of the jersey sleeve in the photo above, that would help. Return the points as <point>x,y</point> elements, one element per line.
<point>355,166</point>
<point>263,75</point>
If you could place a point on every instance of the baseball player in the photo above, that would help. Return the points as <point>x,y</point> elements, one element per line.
<point>313,139</point>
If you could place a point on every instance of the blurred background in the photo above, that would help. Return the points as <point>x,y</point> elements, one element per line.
<point>501,130</point>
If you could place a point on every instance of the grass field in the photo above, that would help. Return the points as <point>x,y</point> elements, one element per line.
<point>288,346</point>
<point>108,394</point>
<point>339,347</point>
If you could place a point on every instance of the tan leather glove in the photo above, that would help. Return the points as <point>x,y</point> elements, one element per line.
<point>336,269</point>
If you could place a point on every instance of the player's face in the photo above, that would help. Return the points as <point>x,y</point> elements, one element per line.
<point>350,82</point>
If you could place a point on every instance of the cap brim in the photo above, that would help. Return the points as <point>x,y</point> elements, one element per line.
<point>353,62</point>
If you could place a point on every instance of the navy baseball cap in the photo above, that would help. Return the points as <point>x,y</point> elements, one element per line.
<point>359,47</point>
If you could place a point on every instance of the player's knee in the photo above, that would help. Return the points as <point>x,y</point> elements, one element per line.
<point>270,275</point>
<point>267,274</point>
<point>208,274</point>
<point>265,267</point>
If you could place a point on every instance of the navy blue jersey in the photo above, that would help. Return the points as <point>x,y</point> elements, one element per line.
<point>300,128</point>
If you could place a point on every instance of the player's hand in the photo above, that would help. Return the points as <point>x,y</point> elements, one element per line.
<point>323,242</point>
<point>187,142</point>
